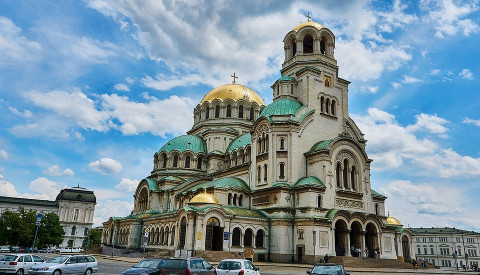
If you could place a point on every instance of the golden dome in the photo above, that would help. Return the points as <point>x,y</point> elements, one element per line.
<point>308,23</point>
<point>204,198</point>
<point>233,91</point>
<point>393,221</point>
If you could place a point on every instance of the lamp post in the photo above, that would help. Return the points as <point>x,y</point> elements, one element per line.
<point>87,241</point>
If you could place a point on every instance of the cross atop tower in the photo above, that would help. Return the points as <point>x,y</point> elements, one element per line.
<point>308,16</point>
<point>234,78</point>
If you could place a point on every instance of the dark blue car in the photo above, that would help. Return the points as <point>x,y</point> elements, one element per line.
<point>146,266</point>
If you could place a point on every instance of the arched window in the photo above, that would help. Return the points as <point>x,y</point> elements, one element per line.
<point>337,170</point>
<point>162,236</point>
<point>282,144</point>
<point>282,170</point>
<point>199,163</point>
<point>74,230</point>
<point>236,237</point>
<point>322,102</point>
<point>247,238</point>
<point>175,161</point>
<point>229,111</point>
<point>259,173</point>
<point>166,235</point>
<point>240,200</point>
<point>229,198</point>
<point>217,111</point>
<point>235,199</point>
<point>308,44</point>
<point>352,177</point>
<point>265,172</point>
<point>207,113</point>
<point>291,89</point>
<point>172,242</point>
<point>319,201</point>
<point>187,162</point>
<point>266,143</point>
<point>240,111</point>
<point>327,103</point>
<point>377,209</point>
<point>259,238</point>
<point>333,107</point>
<point>200,115</point>
<point>294,48</point>
<point>164,161</point>
<point>251,113</point>
<point>322,46</point>
<point>345,173</point>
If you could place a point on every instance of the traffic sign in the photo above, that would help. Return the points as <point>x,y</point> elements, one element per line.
<point>39,219</point>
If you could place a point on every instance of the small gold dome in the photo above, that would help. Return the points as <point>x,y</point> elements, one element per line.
<point>204,198</point>
<point>393,221</point>
<point>233,91</point>
<point>308,23</point>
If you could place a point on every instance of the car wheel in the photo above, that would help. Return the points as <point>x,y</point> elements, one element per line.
<point>57,272</point>
<point>20,272</point>
<point>88,271</point>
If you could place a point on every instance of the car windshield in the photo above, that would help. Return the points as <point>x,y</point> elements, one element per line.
<point>325,269</point>
<point>8,258</point>
<point>148,264</point>
<point>58,259</point>
<point>175,264</point>
<point>230,265</point>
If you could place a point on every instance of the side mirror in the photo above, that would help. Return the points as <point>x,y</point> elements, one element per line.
<point>257,269</point>
<point>346,273</point>
<point>308,272</point>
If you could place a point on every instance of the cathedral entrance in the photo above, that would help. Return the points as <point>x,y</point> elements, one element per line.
<point>183,233</point>
<point>371,239</point>
<point>405,249</point>
<point>214,235</point>
<point>356,238</point>
<point>341,235</point>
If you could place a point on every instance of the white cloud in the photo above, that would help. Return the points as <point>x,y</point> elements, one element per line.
<point>14,47</point>
<point>430,123</point>
<point>56,171</point>
<point>410,79</point>
<point>127,185</point>
<point>3,154</point>
<point>396,85</point>
<point>475,122</point>
<point>24,114</point>
<point>163,82</point>
<point>106,166</point>
<point>92,50</point>
<point>466,74</point>
<point>448,163</point>
<point>435,72</point>
<point>121,87</point>
<point>108,194</point>
<point>129,80</point>
<point>6,188</point>
<point>111,208</point>
<point>45,187</point>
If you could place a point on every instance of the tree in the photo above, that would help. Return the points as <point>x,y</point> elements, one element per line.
<point>50,232</point>
<point>95,237</point>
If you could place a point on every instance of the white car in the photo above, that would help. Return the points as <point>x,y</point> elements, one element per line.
<point>18,264</point>
<point>4,248</point>
<point>236,266</point>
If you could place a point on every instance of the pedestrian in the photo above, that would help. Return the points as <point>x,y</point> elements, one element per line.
<point>378,253</point>
<point>359,252</point>
<point>325,259</point>
<point>366,252</point>
<point>352,250</point>
<point>414,263</point>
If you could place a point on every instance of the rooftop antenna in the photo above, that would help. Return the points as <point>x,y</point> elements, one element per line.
<point>78,184</point>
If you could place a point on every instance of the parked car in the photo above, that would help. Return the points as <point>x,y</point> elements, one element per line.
<point>146,266</point>
<point>18,263</point>
<point>191,265</point>
<point>68,250</point>
<point>332,269</point>
<point>15,249</point>
<point>67,264</point>
<point>30,250</point>
<point>4,249</point>
<point>236,266</point>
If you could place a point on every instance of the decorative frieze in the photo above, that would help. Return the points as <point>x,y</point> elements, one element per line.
<point>348,203</point>
<point>261,200</point>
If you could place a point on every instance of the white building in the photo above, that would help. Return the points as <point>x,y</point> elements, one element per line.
<point>75,207</point>
<point>440,246</point>
<point>290,180</point>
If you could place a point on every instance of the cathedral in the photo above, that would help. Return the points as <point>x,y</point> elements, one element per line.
<point>289,181</point>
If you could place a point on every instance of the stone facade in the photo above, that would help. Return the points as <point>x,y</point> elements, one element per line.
<point>290,180</point>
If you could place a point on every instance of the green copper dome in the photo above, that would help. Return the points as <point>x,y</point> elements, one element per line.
<point>76,194</point>
<point>184,143</point>
<point>240,142</point>
<point>282,106</point>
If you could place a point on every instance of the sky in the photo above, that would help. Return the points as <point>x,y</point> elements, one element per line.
<point>90,90</point>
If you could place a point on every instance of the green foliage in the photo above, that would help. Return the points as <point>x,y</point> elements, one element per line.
<point>95,237</point>
<point>50,233</point>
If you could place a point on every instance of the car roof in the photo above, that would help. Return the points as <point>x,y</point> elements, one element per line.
<point>236,260</point>
<point>328,264</point>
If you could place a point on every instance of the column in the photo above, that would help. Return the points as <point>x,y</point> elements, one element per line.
<point>363,241</point>
<point>347,235</point>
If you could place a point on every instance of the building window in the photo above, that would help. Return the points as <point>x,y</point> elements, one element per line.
<point>74,230</point>
<point>337,170</point>
<point>322,46</point>
<point>187,162</point>
<point>282,170</point>
<point>327,104</point>
<point>345,174</point>
<point>352,177</point>
<point>294,48</point>
<point>319,201</point>
<point>259,238</point>
<point>251,113</point>
<point>199,163</point>
<point>247,238</point>
<point>217,111</point>
<point>240,200</point>
<point>322,102</point>
<point>377,211</point>
<point>291,89</point>
<point>259,173</point>
<point>431,250</point>
<point>425,250</point>
<point>229,111</point>
<point>164,161</point>
<point>333,107</point>
<point>282,144</point>
<point>175,161</point>
<point>235,199</point>
<point>85,232</point>
<point>236,237</point>
<point>240,111</point>
<point>308,44</point>
<point>265,177</point>
<point>207,113</point>
<point>229,198</point>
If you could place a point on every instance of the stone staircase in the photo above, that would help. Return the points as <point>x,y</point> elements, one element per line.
<point>353,262</point>
<point>217,256</point>
<point>160,253</point>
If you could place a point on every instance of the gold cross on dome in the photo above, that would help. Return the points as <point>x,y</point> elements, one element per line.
<point>308,16</point>
<point>234,77</point>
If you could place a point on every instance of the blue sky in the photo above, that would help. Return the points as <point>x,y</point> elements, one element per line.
<point>90,90</point>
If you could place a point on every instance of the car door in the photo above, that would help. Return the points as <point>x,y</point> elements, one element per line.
<point>21,264</point>
<point>71,265</point>
<point>37,260</point>
<point>81,264</point>
<point>208,268</point>
<point>196,267</point>
<point>248,268</point>
<point>27,263</point>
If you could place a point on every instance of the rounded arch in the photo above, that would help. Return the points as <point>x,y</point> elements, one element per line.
<point>307,41</point>
<point>371,237</point>
<point>341,235</point>
<point>236,235</point>
<point>259,238</point>
<point>247,238</point>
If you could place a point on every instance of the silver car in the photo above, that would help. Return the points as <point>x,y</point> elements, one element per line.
<point>67,264</point>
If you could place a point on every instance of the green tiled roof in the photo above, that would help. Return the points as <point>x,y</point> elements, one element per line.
<point>183,143</point>
<point>223,183</point>
<point>321,145</point>
<point>28,202</point>
<point>186,183</point>
<point>76,194</point>
<point>240,142</point>
<point>439,230</point>
<point>282,106</point>
<point>281,184</point>
<point>309,181</point>
<point>171,178</point>
<point>300,119</point>
<point>216,152</point>
<point>331,213</point>
<point>286,78</point>
<point>232,210</point>
<point>152,184</point>
<point>375,194</point>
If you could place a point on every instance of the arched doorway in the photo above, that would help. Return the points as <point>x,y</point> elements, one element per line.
<point>356,237</point>
<point>371,240</point>
<point>341,235</point>
<point>214,235</point>
<point>406,249</point>
<point>183,232</point>
<point>247,238</point>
